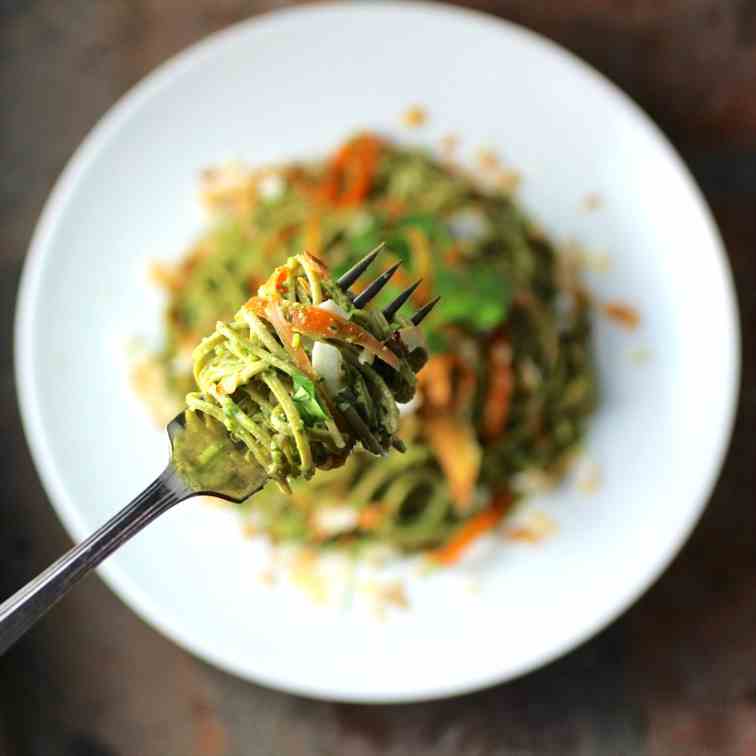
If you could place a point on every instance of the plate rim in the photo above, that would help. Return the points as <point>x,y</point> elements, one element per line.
<point>109,124</point>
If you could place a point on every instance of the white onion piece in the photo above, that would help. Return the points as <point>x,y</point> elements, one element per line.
<point>366,357</point>
<point>469,224</point>
<point>271,187</point>
<point>328,363</point>
<point>330,306</point>
<point>413,337</point>
<point>331,521</point>
<point>410,407</point>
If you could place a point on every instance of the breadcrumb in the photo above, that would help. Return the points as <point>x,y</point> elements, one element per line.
<point>587,476</point>
<point>385,595</point>
<point>585,259</point>
<point>165,276</point>
<point>534,526</point>
<point>507,181</point>
<point>488,160</point>
<point>623,314</point>
<point>532,482</point>
<point>306,576</point>
<point>449,144</point>
<point>228,187</point>
<point>415,116</point>
<point>592,202</point>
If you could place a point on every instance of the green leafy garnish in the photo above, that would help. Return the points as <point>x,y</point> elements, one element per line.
<point>431,225</point>
<point>305,399</point>
<point>437,342</point>
<point>393,234</point>
<point>475,297</point>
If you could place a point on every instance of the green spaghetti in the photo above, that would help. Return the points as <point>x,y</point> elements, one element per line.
<point>297,378</point>
<point>507,393</point>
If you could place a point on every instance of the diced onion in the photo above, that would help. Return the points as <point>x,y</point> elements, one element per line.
<point>330,306</point>
<point>413,338</point>
<point>329,365</point>
<point>410,407</point>
<point>331,521</point>
<point>271,187</point>
<point>469,224</point>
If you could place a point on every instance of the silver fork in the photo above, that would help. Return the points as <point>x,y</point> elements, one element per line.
<point>19,612</point>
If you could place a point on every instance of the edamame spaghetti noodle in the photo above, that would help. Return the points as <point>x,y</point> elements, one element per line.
<point>297,378</point>
<point>509,387</point>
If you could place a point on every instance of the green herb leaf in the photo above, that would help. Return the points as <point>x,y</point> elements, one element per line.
<point>476,297</point>
<point>437,341</point>
<point>431,225</point>
<point>306,401</point>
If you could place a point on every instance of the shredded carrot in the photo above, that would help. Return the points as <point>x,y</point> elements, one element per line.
<point>370,517</point>
<point>168,277</point>
<point>313,236</point>
<point>285,333</point>
<point>623,314</point>
<point>439,387</point>
<point>319,264</point>
<point>271,247</point>
<point>475,527</point>
<point>500,385</point>
<point>314,321</point>
<point>422,259</point>
<point>458,452</point>
<point>414,117</point>
<point>281,279</point>
<point>488,160</point>
<point>435,380</point>
<point>311,321</point>
<point>349,174</point>
<point>393,206</point>
<point>453,256</point>
<point>523,535</point>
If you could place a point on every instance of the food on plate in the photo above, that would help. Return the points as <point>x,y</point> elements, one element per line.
<point>509,387</point>
<point>301,374</point>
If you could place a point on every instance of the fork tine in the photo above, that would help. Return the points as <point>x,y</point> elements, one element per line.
<point>372,289</point>
<point>359,268</point>
<point>424,311</point>
<point>391,309</point>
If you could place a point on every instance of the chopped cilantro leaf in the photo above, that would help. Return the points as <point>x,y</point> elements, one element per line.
<point>306,401</point>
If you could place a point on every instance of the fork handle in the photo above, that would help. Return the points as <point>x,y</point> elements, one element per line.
<point>19,612</point>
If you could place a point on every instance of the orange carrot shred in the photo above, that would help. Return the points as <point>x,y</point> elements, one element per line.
<point>476,526</point>
<point>370,518</point>
<point>623,314</point>
<point>500,385</point>
<point>350,172</point>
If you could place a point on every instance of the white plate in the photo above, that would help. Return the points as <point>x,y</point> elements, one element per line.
<point>293,84</point>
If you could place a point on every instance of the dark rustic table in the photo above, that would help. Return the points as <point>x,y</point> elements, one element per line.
<point>675,675</point>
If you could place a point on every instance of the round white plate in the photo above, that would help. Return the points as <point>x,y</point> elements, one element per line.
<point>293,84</point>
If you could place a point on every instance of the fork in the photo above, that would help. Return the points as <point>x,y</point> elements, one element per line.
<point>19,612</point>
